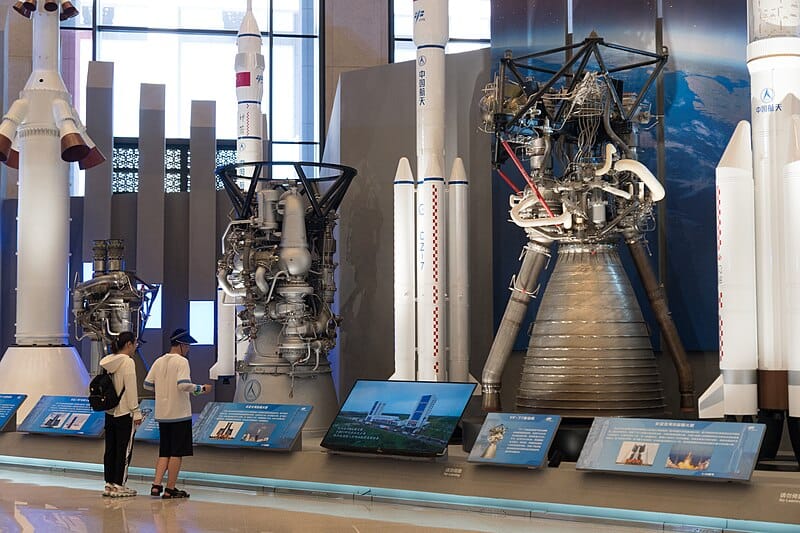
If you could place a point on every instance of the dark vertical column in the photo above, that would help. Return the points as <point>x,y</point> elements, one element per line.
<point>202,231</point>
<point>202,202</point>
<point>99,126</point>
<point>150,199</point>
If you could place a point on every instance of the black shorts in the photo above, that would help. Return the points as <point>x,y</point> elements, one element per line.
<point>175,439</point>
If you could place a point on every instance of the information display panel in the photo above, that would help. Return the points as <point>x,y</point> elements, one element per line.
<point>64,415</point>
<point>512,439</point>
<point>9,403</point>
<point>710,450</point>
<point>413,418</point>
<point>250,425</point>
<point>148,431</point>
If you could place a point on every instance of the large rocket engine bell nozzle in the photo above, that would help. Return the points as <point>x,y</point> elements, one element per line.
<point>590,352</point>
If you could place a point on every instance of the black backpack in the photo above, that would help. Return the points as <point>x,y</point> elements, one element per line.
<point>102,394</point>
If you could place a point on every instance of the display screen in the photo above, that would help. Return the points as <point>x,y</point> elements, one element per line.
<point>415,418</point>
<point>515,439</point>
<point>685,448</point>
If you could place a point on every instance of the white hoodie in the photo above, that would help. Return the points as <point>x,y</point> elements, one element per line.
<point>123,374</point>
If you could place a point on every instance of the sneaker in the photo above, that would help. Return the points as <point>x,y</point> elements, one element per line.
<point>124,492</point>
<point>174,493</point>
<point>110,490</point>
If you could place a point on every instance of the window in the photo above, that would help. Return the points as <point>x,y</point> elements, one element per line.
<point>190,47</point>
<point>469,27</point>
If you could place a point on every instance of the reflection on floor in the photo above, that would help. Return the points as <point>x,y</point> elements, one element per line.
<point>47,501</point>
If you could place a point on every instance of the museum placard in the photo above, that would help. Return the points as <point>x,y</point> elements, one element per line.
<point>250,425</point>
<point>514,439</point>
<point>686,448</point>
<point>9,403</point>
<point>64,415</point>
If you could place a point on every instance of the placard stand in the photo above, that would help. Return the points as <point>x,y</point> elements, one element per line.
<point>438,459</point>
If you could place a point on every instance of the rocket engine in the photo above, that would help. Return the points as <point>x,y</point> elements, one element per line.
<point>277,267</point>
<point>589,352</point>
<point>113,301</point>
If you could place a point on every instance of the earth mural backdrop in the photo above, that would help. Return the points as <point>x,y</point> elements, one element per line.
<point>706,92</point>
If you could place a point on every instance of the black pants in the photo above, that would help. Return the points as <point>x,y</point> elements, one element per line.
<point>119,448</point>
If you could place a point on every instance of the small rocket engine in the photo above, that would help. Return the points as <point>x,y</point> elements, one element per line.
<point>578,128</point>
<point>113,301</point>
<point>277,266</point>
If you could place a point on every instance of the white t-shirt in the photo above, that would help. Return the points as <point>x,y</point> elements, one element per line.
<point>170,378</point>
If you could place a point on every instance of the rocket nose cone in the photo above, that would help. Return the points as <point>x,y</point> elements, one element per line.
<point>459,173</point>
<point>403,171</point>
<point>73,147</point>
<point>92,159</point>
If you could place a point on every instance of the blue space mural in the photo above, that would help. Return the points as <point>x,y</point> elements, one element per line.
<point>706,92</point>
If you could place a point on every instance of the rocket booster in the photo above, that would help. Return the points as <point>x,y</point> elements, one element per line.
<point>430,259</point>
<point>758,228</point>
<point>249,89</point>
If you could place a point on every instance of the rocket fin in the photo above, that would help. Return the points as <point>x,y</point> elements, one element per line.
<point>712,402</point>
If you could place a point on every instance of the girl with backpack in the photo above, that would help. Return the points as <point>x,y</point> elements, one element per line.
<point>123,419</point>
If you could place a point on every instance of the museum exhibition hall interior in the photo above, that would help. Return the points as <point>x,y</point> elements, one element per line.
<point>399,265</point>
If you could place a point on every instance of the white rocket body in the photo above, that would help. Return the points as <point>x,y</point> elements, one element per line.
<point>249,89</point>
<point>40,133</point>
<point>430,224</point>
<point>759,231</point>
<point>249,67</point>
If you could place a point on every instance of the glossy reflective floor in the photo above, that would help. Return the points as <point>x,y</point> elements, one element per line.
<point>47,501</point>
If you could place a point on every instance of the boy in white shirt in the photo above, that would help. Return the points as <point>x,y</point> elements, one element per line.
<point>122,420</point>
<point>170,378</point>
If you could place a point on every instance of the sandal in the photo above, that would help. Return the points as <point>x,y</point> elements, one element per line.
<point>156,490</point>
<point>174,493</point>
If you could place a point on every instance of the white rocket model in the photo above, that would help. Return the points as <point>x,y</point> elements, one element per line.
<point>758,229</point>
<point>430,227</point>
<point>249,66</point>
<point>41,134</point>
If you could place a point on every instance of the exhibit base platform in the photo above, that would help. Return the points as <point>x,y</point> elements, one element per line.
<point>769,502</point>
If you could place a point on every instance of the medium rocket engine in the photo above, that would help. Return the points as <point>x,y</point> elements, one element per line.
<point>113,301</point>
<point>277,265</point>
<point>589,352</point>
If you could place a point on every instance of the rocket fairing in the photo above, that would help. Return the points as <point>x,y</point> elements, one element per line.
<point>430,227</point>
<point>757,226</point>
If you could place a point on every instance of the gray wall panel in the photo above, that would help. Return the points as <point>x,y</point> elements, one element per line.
<point>150,208</point>
<point>202,202</point>
<point>99,126</point>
